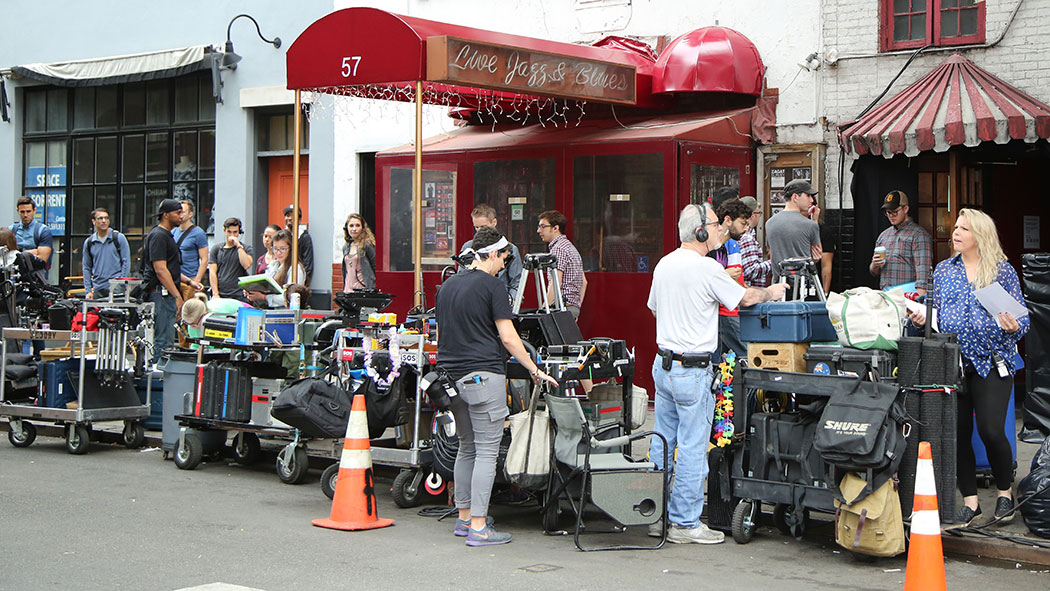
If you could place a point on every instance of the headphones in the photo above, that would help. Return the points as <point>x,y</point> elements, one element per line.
<point>701,234</point>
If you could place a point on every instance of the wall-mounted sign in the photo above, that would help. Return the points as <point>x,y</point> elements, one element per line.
<point>619,197</point>
<point>517,200</point>
<point>1031,231</point>
<point>487,65</point>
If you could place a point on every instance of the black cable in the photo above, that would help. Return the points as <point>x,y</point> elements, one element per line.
<point>890,85</point>
<point>439,512</point>
<point>979,530</point>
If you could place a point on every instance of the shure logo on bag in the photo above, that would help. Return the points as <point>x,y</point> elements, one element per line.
<point>846,428</point>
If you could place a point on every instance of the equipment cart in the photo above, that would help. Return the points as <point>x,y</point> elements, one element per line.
<point>104,385</point>
<point>777,463</point>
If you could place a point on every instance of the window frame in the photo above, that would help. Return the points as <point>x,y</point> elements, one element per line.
<point>933,28</point>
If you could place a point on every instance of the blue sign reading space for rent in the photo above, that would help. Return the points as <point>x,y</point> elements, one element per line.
<point>50,204</point>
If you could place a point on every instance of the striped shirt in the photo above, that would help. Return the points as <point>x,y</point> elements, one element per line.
<point>756,271</point>
<point>571,266</point>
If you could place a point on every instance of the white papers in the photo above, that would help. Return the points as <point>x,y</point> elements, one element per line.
<point>995,300</point>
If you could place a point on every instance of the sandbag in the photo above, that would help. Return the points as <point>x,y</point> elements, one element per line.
<point>872,524</point>
<point>864,318</point>
<point>315,406</point>
<point>1033,493</point>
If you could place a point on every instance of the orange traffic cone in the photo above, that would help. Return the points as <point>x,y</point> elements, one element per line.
<point>354,504</point>
<point>925,570</point>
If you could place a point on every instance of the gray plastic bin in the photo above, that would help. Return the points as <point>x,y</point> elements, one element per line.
<point>180,379</point>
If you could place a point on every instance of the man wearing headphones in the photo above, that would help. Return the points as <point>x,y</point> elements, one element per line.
<point>475,332</point>
<point>228,262</point>
<point>687,289</point>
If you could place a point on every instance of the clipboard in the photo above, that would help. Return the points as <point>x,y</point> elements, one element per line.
<point>261,282</point>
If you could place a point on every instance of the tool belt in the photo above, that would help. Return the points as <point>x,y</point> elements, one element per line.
<point>668,357</point>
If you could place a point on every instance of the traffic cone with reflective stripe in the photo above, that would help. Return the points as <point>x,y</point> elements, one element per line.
<point>925,570</point>
<point>354,504</point>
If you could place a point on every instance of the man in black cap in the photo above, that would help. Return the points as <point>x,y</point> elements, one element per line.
<point>793,233</point>
<point>161,266</point>
<point>903,252</point>
<point>306,244</point>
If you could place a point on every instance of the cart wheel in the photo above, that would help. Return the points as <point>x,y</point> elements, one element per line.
<point>404,495</point>
<point>787,522</point>
<point>246,448</point>
<point>77,439</point>
<point>292,465</point>
<point>189,453</point>
<point>744,521</point>
<point>23,437</point>
<point>134,435</point>
<point>550,513</point>
<point>329,478</point>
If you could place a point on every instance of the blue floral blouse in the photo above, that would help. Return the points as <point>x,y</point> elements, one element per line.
<point>959,312</point>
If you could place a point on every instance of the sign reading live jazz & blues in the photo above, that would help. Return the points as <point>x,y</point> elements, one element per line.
<point>50,199</point>
<point>487,65</point>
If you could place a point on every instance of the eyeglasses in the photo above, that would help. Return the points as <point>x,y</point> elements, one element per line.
<point>280,249</point>
<point>893,212</point>
<point>100,218</point>
<point>542,226</point>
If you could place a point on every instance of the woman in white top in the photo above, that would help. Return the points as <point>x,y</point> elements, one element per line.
<point>280,271</point>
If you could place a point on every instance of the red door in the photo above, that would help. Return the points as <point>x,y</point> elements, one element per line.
<point>281,185</point>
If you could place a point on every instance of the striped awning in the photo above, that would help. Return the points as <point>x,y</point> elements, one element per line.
<point>956,103</point>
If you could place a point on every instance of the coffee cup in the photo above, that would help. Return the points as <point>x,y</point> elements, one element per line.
<point>880,253</point>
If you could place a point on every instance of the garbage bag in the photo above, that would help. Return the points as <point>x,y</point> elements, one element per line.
<point>1033,493</point>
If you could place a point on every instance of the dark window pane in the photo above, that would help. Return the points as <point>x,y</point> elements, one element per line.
<point>84,161</point>
<point>704,180</point>
<point>79,221</point>
<point>36,111</point>
<point>57,110</point>
<point>134,104</point>
<point>918,27</point>
<point>185,156</point>
<point>618,211</point>
<point>949,3</point>
<point>207,101</point>
<point>131,216</point>
<point>107,197</point>
<point>157,157</point>
<point>502,184</point>
<point>135,246</point>
<point>900,6</point>
<point>968,22</point>
<point>134,158</point>
<point>106,114</point>
<point>918,5</point>
<point>900,28</point>
<point>950,23</point>
<point>207,146</point>
<point>106,160</point>
<point>36,163</point>
<point>400,230</point>
<point>158,98</point>
<point>56,163</point>
<point>206,207</point>
<point>185,101</point>
<point>155,193</point>
<point>84,108</point>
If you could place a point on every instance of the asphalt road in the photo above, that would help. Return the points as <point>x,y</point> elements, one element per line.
<point>122,519</point>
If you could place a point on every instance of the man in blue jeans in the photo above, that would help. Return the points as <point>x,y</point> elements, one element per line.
<point>687,288</point>
<point>162,270</point>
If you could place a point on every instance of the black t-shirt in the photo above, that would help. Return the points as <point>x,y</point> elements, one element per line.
<point>829,242</point>
<point>468,306</point>
<point>160,246</point>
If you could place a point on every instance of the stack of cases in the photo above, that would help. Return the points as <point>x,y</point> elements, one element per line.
<point>223,392</point>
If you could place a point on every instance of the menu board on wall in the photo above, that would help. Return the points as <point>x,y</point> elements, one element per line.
<point>779,177</point>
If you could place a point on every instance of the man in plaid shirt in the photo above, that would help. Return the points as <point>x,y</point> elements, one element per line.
<point>756,271</point>
<point>569,266</point>
<point>908,255</point>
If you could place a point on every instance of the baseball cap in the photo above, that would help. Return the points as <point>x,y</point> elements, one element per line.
<point>799,186</point>
<point>894,199</point>
<point>750,202</point>
<point>168,206</point>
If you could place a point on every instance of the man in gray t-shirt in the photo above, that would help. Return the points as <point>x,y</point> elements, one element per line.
<point>228,262</point>
<point>790,233</point>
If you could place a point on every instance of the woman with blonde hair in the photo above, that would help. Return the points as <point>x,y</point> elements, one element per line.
<point>989,351</point>
<point>359,254</point>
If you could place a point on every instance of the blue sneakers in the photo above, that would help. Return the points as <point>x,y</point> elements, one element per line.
<point>486,537</point>
<point>463,525</point>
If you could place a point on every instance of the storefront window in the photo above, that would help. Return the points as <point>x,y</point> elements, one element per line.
<point>519,191</point>
<point>123,153</point>
<point>439,216</point>
<point>618,211</point>
<point>704,180</point>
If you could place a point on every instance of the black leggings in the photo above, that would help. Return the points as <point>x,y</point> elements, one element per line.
<point>987,399</point>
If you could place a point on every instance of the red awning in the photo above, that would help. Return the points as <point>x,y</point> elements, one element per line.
<point>956,103</point>
<point>367,46</point>
<point>722,127</point>
<point>710,59</point>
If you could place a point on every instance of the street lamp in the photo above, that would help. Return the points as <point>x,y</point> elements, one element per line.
<point>228,59</point>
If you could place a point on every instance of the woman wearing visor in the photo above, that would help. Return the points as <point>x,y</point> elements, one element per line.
<point>475,332</point>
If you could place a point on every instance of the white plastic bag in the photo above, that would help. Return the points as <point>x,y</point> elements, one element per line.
<point>868,319</point>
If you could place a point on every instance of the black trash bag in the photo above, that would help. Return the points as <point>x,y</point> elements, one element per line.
<point>387,407</point>
<point>1033,493</point>
<point>315,406</point>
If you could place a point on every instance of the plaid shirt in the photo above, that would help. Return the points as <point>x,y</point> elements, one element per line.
<point>756,271</point>
<point>571,266</point>
<point>908,255</point>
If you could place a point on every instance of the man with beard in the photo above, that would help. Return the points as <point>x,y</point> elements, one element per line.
<point>733,215</point>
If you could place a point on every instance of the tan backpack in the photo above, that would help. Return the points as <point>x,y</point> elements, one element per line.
<point>872,525</point>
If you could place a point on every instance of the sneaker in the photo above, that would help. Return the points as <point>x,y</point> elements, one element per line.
<point>486,537</point>
<point>656,530</point>
<point>1004,509</point>
<point>463,526</point>
<point>966,515</point>
<point>695,535</point>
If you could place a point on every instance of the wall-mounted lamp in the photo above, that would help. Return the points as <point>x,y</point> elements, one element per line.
<point>227,59</point>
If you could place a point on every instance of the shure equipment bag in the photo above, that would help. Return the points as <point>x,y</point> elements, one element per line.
<point>871,524</point>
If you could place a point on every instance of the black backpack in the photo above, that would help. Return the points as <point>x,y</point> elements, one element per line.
<point>863,430</point>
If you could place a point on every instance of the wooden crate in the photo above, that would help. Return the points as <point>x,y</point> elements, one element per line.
<point>777,356</point>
